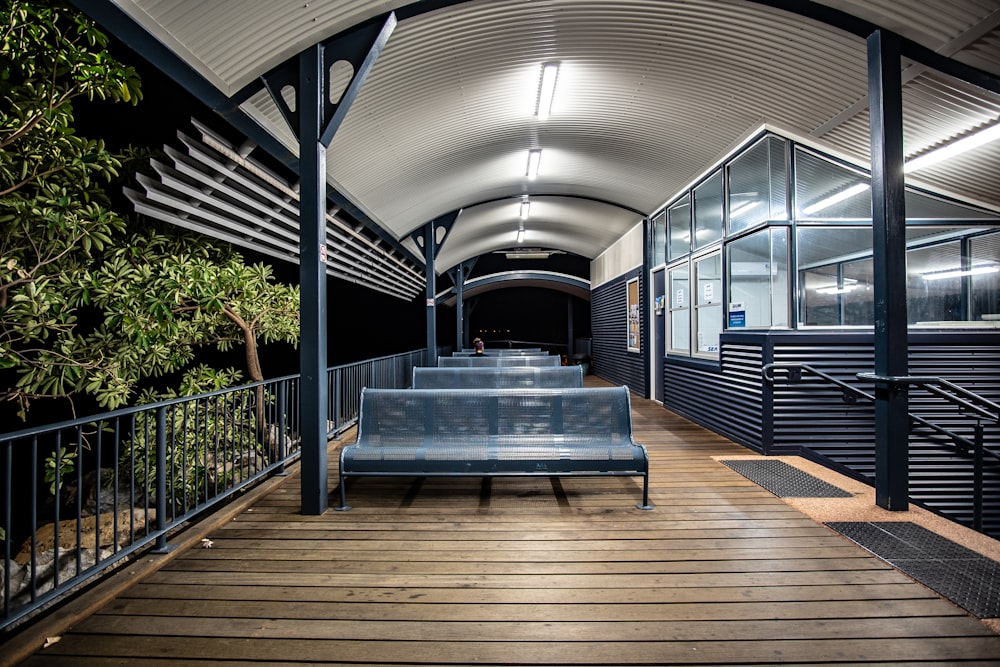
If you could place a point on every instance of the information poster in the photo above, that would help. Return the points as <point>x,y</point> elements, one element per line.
<point>633,315</point>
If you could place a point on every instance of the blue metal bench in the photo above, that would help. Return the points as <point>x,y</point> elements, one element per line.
<point>513,377</point>
<point>494,433</point>
<point>505,360</point>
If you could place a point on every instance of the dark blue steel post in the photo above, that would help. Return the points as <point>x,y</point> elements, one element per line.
<point>892,422</point>
<point>161,546</point>
<point>312,278</point>
<point>430,248</point>
<point>459,278</point>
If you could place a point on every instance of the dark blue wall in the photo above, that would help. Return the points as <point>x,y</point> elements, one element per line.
<point>611,359</point>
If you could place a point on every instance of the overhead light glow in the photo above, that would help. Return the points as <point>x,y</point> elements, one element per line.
<point>525,207</point>
<point>520,234</point>
<point>976,140</point>
<point>836,290</point>
<point>744,208</point>
<point>958,272</point>
<point>836,199</point>
<point>534,157</point>
<point>546,90</point>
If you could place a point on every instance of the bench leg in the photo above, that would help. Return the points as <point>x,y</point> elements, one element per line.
<point>343,507</point>
<point>645,505</point>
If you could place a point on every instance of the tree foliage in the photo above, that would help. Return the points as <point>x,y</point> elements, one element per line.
<point>86,306</point>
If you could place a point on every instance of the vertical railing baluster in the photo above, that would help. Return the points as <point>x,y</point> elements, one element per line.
<point>977,482</point>
<point>161,480</point>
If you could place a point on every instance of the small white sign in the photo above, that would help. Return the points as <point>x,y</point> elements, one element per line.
<point>679,298</point>
<point>709,290</point>
<point>430,303</point>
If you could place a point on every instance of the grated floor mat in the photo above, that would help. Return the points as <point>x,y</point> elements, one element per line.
<point>967,578</point>
<point>784,480</point>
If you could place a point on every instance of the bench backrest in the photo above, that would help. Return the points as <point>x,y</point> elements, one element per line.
<point>459,417</point>
<point>497,378</point>
<point>503,351</point>
<point>505,360</point>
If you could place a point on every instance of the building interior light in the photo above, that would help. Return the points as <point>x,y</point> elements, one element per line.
<point>846,285</point>
<point>836,290</point>
<point>534,157</point>
<point>744,208</point>
<point>525,207</point>
<point>976,140</point>
<point>520,233</point>
<point>546,90</point>
<point>959,272</point>
<point>855,189</point>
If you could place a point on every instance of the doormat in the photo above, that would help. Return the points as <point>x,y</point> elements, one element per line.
<point>967,578</point>
<point>784,480</point>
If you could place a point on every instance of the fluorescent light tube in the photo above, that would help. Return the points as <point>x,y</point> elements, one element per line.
<point>856,189</point>
<point>546,90</point>
<point>520,234</point>
<point>534,157</point>
<point>958,273</point>
<point>836,290</point>
<point>951,150</point>
<point>525,207</point>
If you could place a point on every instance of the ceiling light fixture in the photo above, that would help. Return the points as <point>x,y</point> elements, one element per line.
<point>525,208</point>
<point>856,189</point>
<point>958,273</point>
<point>976,140</point>
<point>534,157</point>
<point>520,233</point>
<point>836,290</point>
<point>546,90</point>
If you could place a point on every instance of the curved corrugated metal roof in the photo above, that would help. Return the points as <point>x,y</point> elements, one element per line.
<point>650,93</point>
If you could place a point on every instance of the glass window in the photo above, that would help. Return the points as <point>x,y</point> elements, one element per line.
<point>984,256</point>
<point>659,245</point>
<point>679,227</point>
<point>835,278</point>
<point>708,211</point>
<point>757,185</point>
<point>679,298</point>
<point>708,306</point>
<point>758,279</point>
<point>828,191</point>
<point>934,284</point>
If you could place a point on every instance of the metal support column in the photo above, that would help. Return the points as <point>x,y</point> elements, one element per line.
<point>312,279</point>
<point>459,278</point>
<point>316,119</point>
<point>892,423</point>
<point>430,248</point>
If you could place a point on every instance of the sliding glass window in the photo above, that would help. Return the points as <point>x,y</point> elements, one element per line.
<point>708,306</point>
<point>758,279</point>
<point>679,299</point>
<point>679,228</point>
<point>708,206</point>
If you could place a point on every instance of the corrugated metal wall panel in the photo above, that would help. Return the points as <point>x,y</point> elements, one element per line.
<point>727,400</point>
<point>611,359</point>
<point>812,414</point>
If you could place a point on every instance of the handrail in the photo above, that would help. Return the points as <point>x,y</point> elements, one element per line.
<point>965,398</point>
<point>981,409</point>
<point>108,486</point>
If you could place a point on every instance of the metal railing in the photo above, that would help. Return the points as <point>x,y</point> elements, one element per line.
<point>969,404</point>
<point>82,496</point>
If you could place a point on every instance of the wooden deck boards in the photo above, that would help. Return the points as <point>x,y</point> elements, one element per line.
<point>532,572</point>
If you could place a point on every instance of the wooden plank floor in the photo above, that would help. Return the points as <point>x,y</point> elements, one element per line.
<point>532,572</point>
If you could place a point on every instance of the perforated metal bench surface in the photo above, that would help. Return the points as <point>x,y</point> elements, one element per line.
<point>504,360</point>
<point>515,377</point>
<point>495,432</point>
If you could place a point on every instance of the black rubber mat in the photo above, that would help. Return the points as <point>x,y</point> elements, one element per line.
<point>967,578</point>
<point>783,480</point>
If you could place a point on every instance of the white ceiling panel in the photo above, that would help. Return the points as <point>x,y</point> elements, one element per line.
<point>650,94</point>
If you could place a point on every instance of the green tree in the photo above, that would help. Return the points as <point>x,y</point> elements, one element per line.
<point>86,307</point>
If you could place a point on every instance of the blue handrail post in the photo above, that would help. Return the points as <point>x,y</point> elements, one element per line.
<point>161,482</point>
<point>977,480</point>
